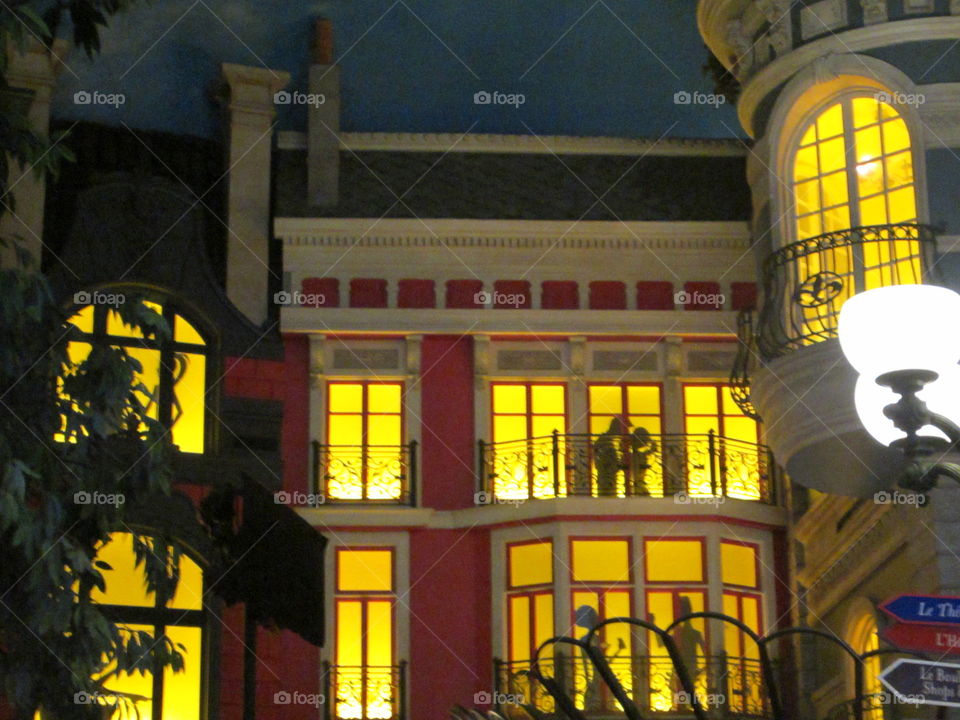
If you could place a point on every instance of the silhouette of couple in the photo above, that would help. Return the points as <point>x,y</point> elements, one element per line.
<point>616,450</point>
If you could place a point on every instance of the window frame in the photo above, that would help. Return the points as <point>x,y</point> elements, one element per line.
<point>365,383</point>
<point>509,564</point>
<point>624,395</point>
<point>756,559</point>
<point>702,539</point>
<point>588,585</point>
<point>531,592</point>
<point>528,414</point>
<point>844,97</point>
<point>167,350</point>
<point>159,618</point>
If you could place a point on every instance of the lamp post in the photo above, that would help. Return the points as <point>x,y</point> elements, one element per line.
<point>899,338</point>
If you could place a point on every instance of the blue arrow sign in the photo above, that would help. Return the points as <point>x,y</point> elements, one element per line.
<point>924,683</point>
<point>927,609</point>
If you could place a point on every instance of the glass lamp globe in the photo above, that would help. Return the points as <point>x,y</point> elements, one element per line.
<point>942,396</point>
<point>900,327</point>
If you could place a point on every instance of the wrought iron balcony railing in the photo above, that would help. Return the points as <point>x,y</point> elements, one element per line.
<point>744,362</point>
<point>368,474</point>
<point>729,687</point>
<point>690,468</point>
<point>364,692</point>
<point>806,282</point>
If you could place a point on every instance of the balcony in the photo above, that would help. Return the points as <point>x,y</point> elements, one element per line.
<point>729,687</point>
<point>367,474</point>
<point>687,467</point>
<point>790,370</point>
<point>364,692</point>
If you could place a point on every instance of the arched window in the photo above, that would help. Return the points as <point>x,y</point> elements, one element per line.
<point>864,639</point>
<point>853,166</point>
<point>172,696</point>
<point>174,369</point>
<point>850,177</point>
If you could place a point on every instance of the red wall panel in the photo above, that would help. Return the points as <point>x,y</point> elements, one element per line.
<point>416,294</point>
<point>744,295</point>
<point>327,287</point>
<point>655,295</point>
<point>559,295</point>
<point>368,293</point>
<point>450,635</point>
<point>447,435</point>
<point>608,295</point>
<point>464,293</point>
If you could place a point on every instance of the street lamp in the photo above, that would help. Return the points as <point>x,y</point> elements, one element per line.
<point>895,338</point>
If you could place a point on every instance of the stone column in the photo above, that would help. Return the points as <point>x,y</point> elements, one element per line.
<point>250,114</point>
<point>34,70</point>
<point>323,121</point>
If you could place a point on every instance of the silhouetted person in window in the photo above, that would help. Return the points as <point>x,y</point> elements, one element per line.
<point>690,646</point>
<point>607,459</point>
<point>587,618</point>
<point>642,446</point>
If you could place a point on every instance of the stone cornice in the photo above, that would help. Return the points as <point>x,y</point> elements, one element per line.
<point>516,234</point>
<point>524,144</point>
<point>849,41</point>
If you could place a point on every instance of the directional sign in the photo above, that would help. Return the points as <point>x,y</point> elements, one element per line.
<point>939,639</point>
<point>927,609</point>
<point>923,682</point>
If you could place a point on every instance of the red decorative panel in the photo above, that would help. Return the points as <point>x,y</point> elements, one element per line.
<point>559,295</point>
<point>743,295</point>
<point>325,288</point>
<point>464,293</point>
<point>655,295</point>
<point>702,296</point>
<point>511,294</point>
<point>368,293</point>
<point>416,294</point>
<point>608,295</point>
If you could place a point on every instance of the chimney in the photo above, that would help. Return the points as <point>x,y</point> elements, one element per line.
<point>323,125</point>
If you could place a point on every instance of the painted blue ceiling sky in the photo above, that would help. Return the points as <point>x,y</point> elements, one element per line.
<point>608,68</point>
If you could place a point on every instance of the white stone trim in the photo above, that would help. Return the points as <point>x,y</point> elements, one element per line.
<point>552,234</point>
<point>525,144</point>
<point>782,69</point>
<point>403,321</point>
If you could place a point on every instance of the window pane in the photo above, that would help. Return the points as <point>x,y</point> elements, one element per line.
<point>189,594</point>
<point>543,617</point>
<point>384,430</point>
<point>874,211</point>
<point>345,397</point>
<point>509,427</point>
<point>739,564</point>
<point>531,564</point>
<point>149,375</point>
<point>543,425</point>
<point>520,628</point>
<point>895,136</point>
<point>548,399</point>
<point>834,190</point>
<point>136,688</point>
<point>674,560</point>
<point>700,399</point>
<point>379,632</point>
<point>364,570</point>
<point>185,332</point>
<point>384,398</point>
<point>509,398</point>
<point>899,169</point>
<point>870,178</point>
<point>601,560</point>
<point>606,399</point>
<point>181,691</point>
<point>805,164</point>
<point>125,583</point>
<point>868,144</point>
<point>832,155</point>
<point>346,430</point>
<point>643,399</point>
<point>864,111</point>
<point>349,632</point>
<point>188,412</point>
<point>902,209</point>
<point>830,122</point>
<point>83,319</point>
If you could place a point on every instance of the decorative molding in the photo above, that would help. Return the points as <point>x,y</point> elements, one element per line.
<point>918,6</point>
<point>674,356</point>
<point>513,234</point>
<point>578,355</point>
<point>482,354</point>
<point>767,79</point>
<point>822,17</point>
<point>522,144</point>
<point>874,11</point>
<point>481,322</point>
<point>955,7</point>
<point>414,343</point>
<point>316,361</point>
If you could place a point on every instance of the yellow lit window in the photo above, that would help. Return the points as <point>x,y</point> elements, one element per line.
<point>738,562</point>
<point>365,437</point>
<point>174,371</point>
<point>530,563</point>
<point>364,678</point>
<point>600,568</point>
<point>743,654</point>
<point>722,453</point>
<point>852,167</point>
<point>663,608</point>
<point>672,560</point>
<point>864,639</point>
<point>630,464</point>
<point>525,415</point>
<point>181,619</point>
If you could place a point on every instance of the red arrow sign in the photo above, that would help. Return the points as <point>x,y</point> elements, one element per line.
<point>924,638</point>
